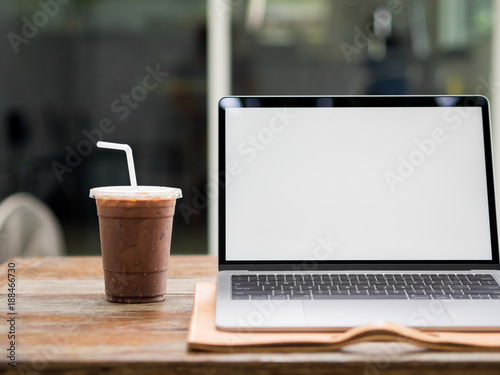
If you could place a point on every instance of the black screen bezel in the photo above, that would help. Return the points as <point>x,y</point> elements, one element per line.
<point>353,102</point>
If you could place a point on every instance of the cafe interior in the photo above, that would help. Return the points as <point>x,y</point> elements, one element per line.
<point>150,73</point>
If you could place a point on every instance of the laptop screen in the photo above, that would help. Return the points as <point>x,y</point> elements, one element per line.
<point>357,180</point>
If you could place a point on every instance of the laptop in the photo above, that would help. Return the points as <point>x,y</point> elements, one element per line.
<point>339,211</point>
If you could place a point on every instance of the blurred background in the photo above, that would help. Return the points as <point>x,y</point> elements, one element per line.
<point>76,71</point>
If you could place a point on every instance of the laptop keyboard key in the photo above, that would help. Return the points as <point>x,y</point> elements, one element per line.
<point>359,282</point>
<point>301,293</point>
<point>484,287</point>
<point>479,296</point>
<point>385,287</point>
<point>339,292</point>
<point>320,283</point>
<point>320,292</point>
<point>440,287</point>
<point>267,283</point>
<point>241,292</point>
<point>327,287</point>
<point>488,282</point>
<point>272,287</point>
<point>403,287</point>
<point>347,287</point>
<point>309,287</point>
<point>377,292</point>
<point>245,283</point>
<point>399,292</point>
<point>422,287</point>
<point>365,287</point>
<point>476,291</point>
<point>485,277</point>
<point>459,296</point>
<point>459,287</point>
<point>252,292</point>
<point>358,292</point>
<point>247,287</point>
<point>310,282</point>
<point>282,292</point>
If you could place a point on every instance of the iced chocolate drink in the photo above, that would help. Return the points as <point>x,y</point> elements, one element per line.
<point>135,229</point>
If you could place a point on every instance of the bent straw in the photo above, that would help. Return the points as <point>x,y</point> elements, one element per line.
<point>130,158</point>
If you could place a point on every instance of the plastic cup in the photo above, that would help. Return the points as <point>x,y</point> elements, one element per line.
<point>135,225</point>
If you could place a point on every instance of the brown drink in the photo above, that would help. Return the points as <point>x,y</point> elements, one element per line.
<point>136,230</point>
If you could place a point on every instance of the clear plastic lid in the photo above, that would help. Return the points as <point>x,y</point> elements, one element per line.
<point>137,193</point>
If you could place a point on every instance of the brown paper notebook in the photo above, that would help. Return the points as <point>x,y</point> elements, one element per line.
<point>203,335</point>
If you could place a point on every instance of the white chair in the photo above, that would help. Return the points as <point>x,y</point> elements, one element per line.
<point>28,227</point>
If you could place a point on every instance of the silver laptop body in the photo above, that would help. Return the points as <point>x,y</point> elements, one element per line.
<point>336,212</point>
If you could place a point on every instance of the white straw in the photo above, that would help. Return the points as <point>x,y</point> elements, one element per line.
<point>130,158</point>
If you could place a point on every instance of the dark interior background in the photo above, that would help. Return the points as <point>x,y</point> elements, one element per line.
<point>87,60</point>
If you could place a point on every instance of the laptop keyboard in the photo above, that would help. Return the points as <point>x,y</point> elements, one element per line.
<point>364,286</point>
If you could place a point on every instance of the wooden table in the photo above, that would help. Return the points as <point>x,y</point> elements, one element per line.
<point>64,325</point>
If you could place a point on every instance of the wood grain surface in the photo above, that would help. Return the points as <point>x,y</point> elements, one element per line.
<point>64,325</point>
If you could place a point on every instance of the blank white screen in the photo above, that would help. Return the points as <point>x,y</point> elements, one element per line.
<point>382,183</point>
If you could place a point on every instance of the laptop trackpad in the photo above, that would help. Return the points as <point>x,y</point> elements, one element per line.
<point>342,313</point>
